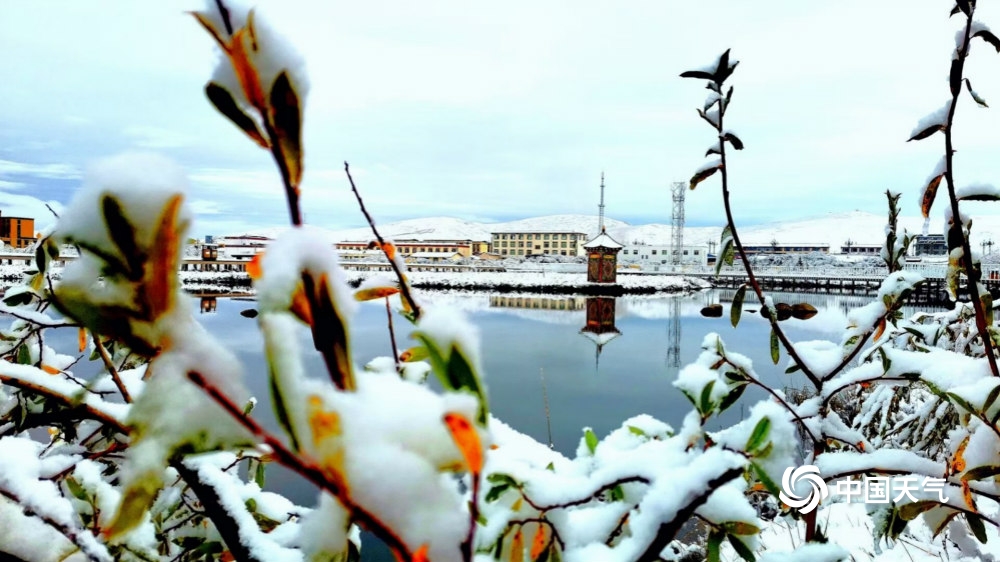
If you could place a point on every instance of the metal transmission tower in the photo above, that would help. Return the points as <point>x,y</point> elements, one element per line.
<point>677,222</point>
<point>600,224</point>
<point>674,334</point>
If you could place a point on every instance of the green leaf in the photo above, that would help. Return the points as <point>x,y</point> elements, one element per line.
<point>259,475</point>
<point>737,308</point>
<point>926,132</point>
<point>23,355</point>
<point>775,350</point>
<point>123,234</point>
<point>703,175</point>
<point>977,527</point>
<point>975,96</point>
<point>961,402</point>
<point>910,511</point>
<point>495,492</point>
<point>226,105</point>
<point>759,435</point>
<point>987,301</point>
<point>635,430</point>
<point>733,140</point>
<point>705,404</point>
<point>501,478</point>
<point>742,549</point>
<point>281,411</point>
<point>765,479</point>
<point>617,494</point>
<point>286,116</point>
<point>76,489</point>
<point>732,397</point>
<point>988,36</point>
<point>551,467</point>
<point>713,546</point>
<point>18,299</point>
<point>41,257</point>
<point>455,373</point>
<point>590,439</point>
<point>981,472</point>
<point>991,398</point>
<point>727,250</point>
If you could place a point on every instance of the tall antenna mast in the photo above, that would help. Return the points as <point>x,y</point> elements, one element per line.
<point>677,222</point>
<point>600,224</point>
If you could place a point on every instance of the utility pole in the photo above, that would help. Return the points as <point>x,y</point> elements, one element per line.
<point>600,224</point>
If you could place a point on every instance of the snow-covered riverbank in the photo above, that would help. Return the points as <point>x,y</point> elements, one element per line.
<point>501,282</point>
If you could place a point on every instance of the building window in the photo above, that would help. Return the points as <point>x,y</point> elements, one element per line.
<point>634,252</point>
<point>696,252</point>
<point>654,252</point>
<point>685,252</point>
<point>546,244</point>
<point>546,236</point>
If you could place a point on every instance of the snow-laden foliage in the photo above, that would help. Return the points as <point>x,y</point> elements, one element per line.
<point>160,456</point>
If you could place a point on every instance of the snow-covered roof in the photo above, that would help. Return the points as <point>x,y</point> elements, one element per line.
<point>603,241</point>
<point>432,254</point>
<point>601,339</point>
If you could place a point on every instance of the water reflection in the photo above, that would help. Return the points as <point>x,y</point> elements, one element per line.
<point>208,305</point>
<point>600,327</point>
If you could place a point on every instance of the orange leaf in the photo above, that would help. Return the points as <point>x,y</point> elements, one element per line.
<point>323,424</point>
<point>375,293</point>
<point>879,329</point>
<point>254,269</point>
<point>82,339</point>
<point>240,45</point>
<point>958,461</point>
<point>967,495</point>
<point>517,547</point>
<point>540,542</point>
<point>207,24</point>
<point>50,370</point>
<point>861,446</point>
<point>162,272</point>
<point>300,305</point>
<point>421,554</point>
<point>929,193</point>
<point>467,440</point>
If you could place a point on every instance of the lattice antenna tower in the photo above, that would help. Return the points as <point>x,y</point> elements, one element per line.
<point>677,221</point>
<point>600,208</point>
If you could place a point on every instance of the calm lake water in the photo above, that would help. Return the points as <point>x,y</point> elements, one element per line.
<point>528,339</point>
<point>525,339</point>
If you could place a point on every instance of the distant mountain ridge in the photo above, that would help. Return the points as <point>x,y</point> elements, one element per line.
<point>834,229</point>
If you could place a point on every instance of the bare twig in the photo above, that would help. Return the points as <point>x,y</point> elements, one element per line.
<point>392,337</point>
<point>404,287</point>
<point>110,366</point>
<point>71,534</point>
<point>972,277</point>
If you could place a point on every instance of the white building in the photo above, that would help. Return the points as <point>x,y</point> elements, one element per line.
<point>651,256</point>
<point>536,243</point>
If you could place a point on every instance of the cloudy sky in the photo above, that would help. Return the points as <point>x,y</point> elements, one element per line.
<point>501,110</point>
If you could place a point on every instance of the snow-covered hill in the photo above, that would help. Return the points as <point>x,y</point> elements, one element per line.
<point>833,229</point>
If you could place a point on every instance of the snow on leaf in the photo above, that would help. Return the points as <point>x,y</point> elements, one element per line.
<point>978,192</point>
<point>931,123</point>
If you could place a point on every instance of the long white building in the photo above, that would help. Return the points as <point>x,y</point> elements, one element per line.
<point>656,255</point>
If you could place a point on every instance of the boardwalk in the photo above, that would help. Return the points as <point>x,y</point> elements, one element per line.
<point>842,280</point>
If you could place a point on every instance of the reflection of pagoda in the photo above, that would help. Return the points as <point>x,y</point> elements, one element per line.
<point>600,327</point>
<point>208,305</point>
